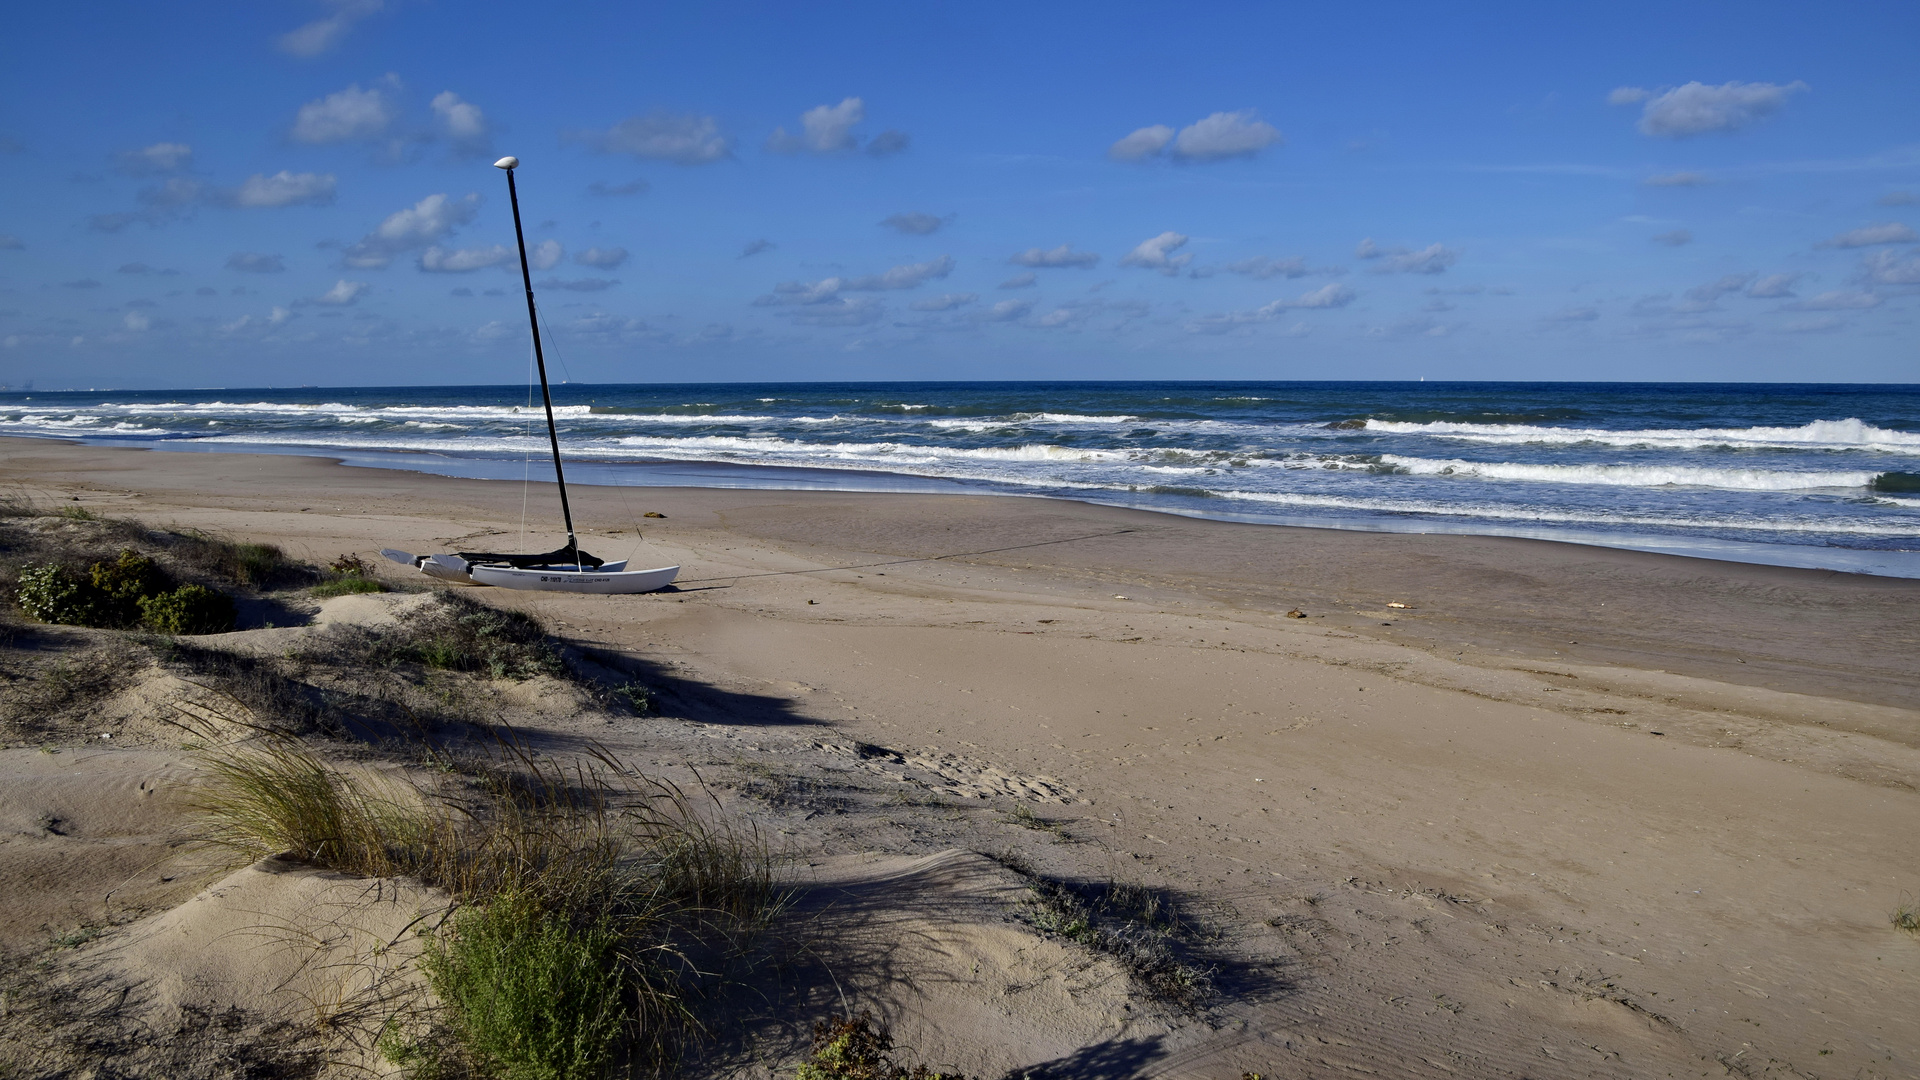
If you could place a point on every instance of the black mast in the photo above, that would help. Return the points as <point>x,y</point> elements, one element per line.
<point>539,358</point>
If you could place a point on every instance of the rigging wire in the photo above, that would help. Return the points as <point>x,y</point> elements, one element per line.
<point>553,341</point>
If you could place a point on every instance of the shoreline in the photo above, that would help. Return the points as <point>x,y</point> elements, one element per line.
<point>1875,562</point>
<point>1567,811</point>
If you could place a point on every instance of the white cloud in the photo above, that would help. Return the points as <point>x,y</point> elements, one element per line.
<point>1142,144</point>
<point>251,263</point>
<point>1063,255</point>
<point>1367,249</point>
<point>1218,137</point>
<point>1004,311</point>
<point>1157,254</point>
<point>1889,268</point>
<point>352,113</point>
<point>1021,281</point>
<point>945,301</point>
<point>1890,232</point>
<point>1697,109</point>
<point>462,121</point>
<point>1773,287</point>
<point>153,160</point>
<point>602,258</point>
<point>322,34</point>
<point>545,255</point>
<point>1432,259</point>
<point>915,223</point>
<point>1261,268</point>
<point>344,292</point>
<point>283,188</point>
<point>136,322</point>
<point>1837,301</point>
<point>901,277</point>
<point>439,260</point>
<point>1335,295</point>
<point>425,222</point>
<point>1704,296</point>
<point>1225,135</point>
<point>278,315</point>
<point>1898,198</point>
<point>1679,179</point>
<point>755,247</point>
<point>791,293</point>
<point>1676,238</point>
<point>10,243</point>
<point>1574,315</point>
<point>824,129</point>
<point>684,139</point>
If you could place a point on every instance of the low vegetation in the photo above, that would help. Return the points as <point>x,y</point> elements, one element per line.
<point>590,900</point>
<point>345,576</point>
<point>1137,927</point>
<point>855,1048</point>
<point>455,633</point>
<point>131,590</point>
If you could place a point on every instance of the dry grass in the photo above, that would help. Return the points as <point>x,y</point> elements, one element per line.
<point>592,897</point>
<point>1139,928</point>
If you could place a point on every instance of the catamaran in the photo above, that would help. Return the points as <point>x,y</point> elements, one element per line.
<point>568,569</point>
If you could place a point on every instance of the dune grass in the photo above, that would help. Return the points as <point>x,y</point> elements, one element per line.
<point>583,891</point>
<point>1139,928</point>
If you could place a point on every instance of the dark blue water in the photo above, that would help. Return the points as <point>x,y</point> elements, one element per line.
<point>1800,474</point>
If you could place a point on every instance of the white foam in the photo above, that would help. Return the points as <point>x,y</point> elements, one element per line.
<point>1633,475</point>
<point>1497,512</point>
<point>1849,434</point>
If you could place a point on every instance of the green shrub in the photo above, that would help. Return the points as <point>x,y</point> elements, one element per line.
<point>346,585</point>
<point>529,995</point>
<point>123,584</point>
<point>189,609</point>
<point>55,594</point>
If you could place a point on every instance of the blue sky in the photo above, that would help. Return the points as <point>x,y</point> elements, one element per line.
<point>287,193</point>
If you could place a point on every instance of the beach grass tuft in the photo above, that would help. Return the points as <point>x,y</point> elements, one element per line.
<point>582,890</point>
<point>453,634</point>
<point>1906,917</point>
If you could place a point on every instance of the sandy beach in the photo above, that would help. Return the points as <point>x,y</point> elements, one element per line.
<point>1482,807</point>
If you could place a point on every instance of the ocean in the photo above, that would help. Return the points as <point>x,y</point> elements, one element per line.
<point>1801,475</point>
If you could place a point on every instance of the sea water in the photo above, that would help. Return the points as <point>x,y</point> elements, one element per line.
<point>1809,475</point>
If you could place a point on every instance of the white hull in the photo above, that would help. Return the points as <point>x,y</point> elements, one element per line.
<point>592,581</point>
<point>610,579</point>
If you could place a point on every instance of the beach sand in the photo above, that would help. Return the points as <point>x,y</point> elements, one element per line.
<point>1492,807</point>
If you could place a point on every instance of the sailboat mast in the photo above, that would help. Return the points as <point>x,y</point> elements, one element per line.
<point>539,357</point>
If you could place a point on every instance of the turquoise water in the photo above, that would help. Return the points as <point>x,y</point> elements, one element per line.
<point>1797,474</point>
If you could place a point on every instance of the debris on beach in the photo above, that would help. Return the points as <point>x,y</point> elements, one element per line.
<point>1296,613</point>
